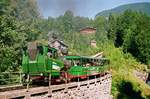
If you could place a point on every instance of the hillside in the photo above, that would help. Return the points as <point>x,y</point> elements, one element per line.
<point>143,7</point>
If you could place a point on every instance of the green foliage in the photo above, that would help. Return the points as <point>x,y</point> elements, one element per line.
<point>123,65</point>
<point>131,35</point>
<point>136,39</point>
<point>10,42</point>
<point>111,29</point>
<point>4,6</point>
<point>128,92</point>
<point>100,23</point>
<point>142,39</point>
<point>17,25</point>
<point>131,31</point>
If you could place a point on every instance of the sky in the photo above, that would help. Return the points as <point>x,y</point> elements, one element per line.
<point>86,8</point>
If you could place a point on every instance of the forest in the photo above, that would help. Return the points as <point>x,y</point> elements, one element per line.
<point>124,39</point>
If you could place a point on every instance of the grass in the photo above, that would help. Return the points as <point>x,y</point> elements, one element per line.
<point>122,66</point>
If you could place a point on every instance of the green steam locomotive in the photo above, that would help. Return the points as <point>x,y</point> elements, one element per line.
<point>40,61</point>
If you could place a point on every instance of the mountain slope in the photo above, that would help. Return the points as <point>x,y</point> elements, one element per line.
<point>143,7</point>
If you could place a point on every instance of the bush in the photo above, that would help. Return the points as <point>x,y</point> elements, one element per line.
<point>127,91</point>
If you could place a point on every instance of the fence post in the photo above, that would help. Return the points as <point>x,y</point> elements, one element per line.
<point>78,82</point>
<point>20,78</point>
<point>28,81</point>
<point>95,80</point>
<point>88,83</point>
<point>49,90</point>
<point>66,81</point>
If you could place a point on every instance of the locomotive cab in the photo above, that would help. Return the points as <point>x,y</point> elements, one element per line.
<point>34,59</point>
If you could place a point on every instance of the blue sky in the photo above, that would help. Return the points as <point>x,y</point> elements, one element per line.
<point>86,8</point>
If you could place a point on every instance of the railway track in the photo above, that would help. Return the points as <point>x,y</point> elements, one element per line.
<point>12,87</point>
<point>20,91</point>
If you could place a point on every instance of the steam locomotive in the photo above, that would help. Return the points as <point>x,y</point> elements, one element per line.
<point>41,61</point>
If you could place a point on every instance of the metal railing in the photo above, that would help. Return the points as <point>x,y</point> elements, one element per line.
<point>10,78</point>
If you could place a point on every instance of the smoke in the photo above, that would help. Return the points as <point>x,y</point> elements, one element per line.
<point>64,5</point>
<point>58,7</point>
<point>55,7</point>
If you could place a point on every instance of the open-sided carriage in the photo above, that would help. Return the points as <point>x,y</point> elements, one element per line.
<point>83,67</point>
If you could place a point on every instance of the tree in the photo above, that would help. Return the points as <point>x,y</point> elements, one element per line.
<point>25,10</point>
<point>111,28</point>
<point>11,42</point>
<point>100,23</point>
<point>142,39</point>
<point>18,19</point>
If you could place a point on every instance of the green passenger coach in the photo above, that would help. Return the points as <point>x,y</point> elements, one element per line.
<point>82,66</point>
